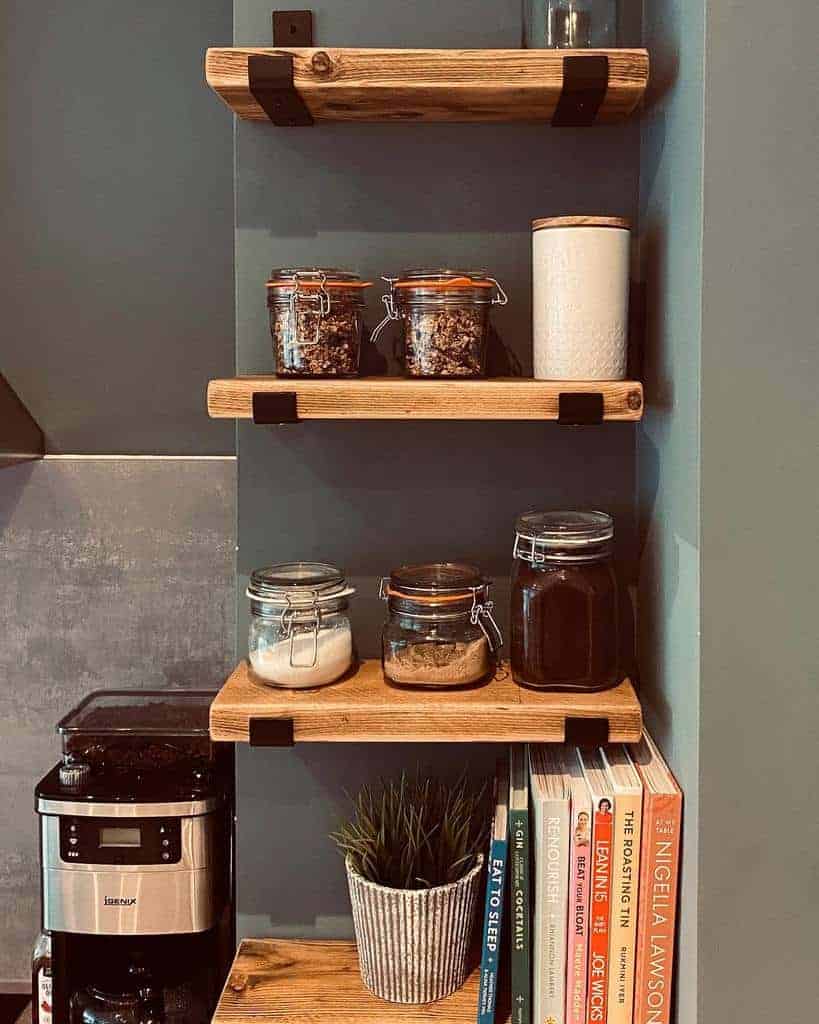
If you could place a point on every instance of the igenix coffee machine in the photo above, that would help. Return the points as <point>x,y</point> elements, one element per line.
<point>136,846</point>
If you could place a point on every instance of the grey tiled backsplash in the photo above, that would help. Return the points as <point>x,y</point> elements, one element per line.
<point>114,572</point>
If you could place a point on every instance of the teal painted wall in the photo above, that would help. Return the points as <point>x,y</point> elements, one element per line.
<point>759,705</point>
<point>668,467</point>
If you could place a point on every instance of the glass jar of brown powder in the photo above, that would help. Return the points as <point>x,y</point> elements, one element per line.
<point>564,602</point>
<point>439,630</point>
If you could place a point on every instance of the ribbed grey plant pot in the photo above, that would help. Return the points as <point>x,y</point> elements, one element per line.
<point>413,944</point>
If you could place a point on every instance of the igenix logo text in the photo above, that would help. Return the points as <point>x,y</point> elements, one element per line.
<point>118,901</point>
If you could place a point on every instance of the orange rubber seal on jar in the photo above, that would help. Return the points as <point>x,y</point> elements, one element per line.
<point>429,599</point>
<point>317,285</point>
<point>453,282</point>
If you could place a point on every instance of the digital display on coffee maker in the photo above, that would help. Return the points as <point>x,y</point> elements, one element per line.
<point>120,837</point>
<point>88,840</point>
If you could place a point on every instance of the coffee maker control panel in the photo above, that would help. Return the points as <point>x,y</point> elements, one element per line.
<point>91,840</point>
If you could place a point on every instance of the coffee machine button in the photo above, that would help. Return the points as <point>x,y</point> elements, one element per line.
<point>166,842</point>
<point>166,856</point>
<point>73,840</point>
<point>72,827</point>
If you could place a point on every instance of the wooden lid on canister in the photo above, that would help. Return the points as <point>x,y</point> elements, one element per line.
<point>582,222</point>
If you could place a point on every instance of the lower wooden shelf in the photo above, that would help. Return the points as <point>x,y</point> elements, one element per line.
<point>364,708</point>
<point>301,981</point>
<point>399,398</point>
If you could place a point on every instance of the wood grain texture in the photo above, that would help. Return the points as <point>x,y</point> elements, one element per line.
<point>397,398</point>
<point>428,85</point>
<point>581,222</point>
<point>364,708</point>
<point>299,981</point>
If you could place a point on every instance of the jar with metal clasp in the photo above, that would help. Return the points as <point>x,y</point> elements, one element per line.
<point>444,315</point>
<point>440,632</point>
<point>300,630</point>
<point>316,321</point>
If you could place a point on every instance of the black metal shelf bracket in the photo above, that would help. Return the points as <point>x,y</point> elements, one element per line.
<point>272,408</point>
<point>587,732</point>
<point>580,408</point>
<point>270,80</point>
<point>271,732</point>
<point>585,83</point>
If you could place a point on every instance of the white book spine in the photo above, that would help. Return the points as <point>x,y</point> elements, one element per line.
<point>553,822</point>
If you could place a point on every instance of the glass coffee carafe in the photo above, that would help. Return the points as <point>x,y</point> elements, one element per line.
<point>128,997</point>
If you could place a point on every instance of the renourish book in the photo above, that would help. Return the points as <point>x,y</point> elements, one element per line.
<point>625,879</point>
<point>602,797</point>
<point>495,885</point>
<point>577,934</point>
<point>520,897</point>
<point>659,875</point>
<point>551,803</point>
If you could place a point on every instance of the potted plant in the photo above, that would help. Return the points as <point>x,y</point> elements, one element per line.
<point>413,853</point>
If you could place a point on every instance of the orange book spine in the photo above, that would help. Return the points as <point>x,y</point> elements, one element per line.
<point>657,908</point>
<point>600,902</point>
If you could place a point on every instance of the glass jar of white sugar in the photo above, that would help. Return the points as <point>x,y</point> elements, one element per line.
<point>300,631</point>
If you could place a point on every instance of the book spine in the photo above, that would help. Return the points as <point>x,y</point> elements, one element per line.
<point>521,971</point>
<point>657,910</point>
<point>599,900</point>
<point>493,919</point>
<point>554,864</point>
<point>628,812</point>
<point>578,927</point>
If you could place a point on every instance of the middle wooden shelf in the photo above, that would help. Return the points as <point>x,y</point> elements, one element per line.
<point>399,398</point>
<point>363,707</point>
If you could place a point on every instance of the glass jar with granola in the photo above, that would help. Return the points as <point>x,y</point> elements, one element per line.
<point>444,315</point>
<point>316,320</point>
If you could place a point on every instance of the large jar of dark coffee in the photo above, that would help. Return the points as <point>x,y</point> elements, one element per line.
<point>564,602</point>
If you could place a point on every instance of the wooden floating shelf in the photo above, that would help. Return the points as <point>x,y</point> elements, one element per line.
<point>364,708</point>
<point>346,84</point>
<point>301,981</point>
<point>21,439</point>
<point>398,398</point>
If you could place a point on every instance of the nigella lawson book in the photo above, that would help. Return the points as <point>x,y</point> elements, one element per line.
<point>659,875</point>
<point>521,971</point>
<point>602,796</point>
<point>495,884</point>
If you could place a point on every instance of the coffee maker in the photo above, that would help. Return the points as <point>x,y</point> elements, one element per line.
<point>136,849</point>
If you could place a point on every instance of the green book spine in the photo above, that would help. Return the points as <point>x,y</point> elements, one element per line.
<point>521,968</point>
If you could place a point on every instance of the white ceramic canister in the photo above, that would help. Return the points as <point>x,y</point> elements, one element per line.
<point>580,280</point>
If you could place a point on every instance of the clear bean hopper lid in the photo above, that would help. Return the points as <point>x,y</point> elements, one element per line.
<point>121,713</point>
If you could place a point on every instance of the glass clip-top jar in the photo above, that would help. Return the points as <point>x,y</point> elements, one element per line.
<point>316,321</point>
<point>300,630</point>
<point>564,616</point>
<point>440,631</point>
<point>445,320</point>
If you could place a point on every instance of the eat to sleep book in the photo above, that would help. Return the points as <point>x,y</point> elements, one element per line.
<point>521,969</point>
<point>551,807</point>
<point>625,878</point>
<point>602,797</point>
<point>577,936</point>
<point>659,876</point>
<point>495,884</point>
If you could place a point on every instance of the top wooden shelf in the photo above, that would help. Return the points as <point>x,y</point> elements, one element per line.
<point>364,708</point>
<point>346,84</point>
